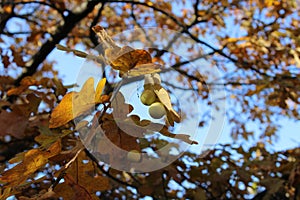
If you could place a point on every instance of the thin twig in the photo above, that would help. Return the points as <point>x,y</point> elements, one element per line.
<point>63,172</point>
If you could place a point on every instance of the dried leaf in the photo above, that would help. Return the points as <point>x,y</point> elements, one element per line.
<point>164,98</point>
<point>5,192</point>
<point>63,113</point>
<point>75,104</point>
<point>18,158</point>
<point>7,80</point>
<point>119,136</point>
<point>5,61</point>
<point>79,191</point>
<point>8,121</point>
<point>35,37</point>
<point>273,185</point>
<point>24,84</point>
<point>68,154</point>
<point>76,52</point>
<point>32,161</point>
<point>257,90</point>
<point>17,91</point>
<point>27,109</point>
<point>142,69</point>
<point>44,195</point>
<point>7,8</point>
<point>106,40</point>
<point>121,109</point>
<point>17,57</point>
<point>60,89</point>
<point>134,62</point>
<point>62,48</point>
<point>184,137</point>
<point>47,137</point>
<point>81,124</point>
<point>86,182</point>
<point>127,58</point>
<point>99,90</point>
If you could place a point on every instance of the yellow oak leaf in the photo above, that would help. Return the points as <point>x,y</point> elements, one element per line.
<point>75,104</point>
<point>63,113</point>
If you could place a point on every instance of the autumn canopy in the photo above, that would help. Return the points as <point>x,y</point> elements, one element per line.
<point>144,115</point>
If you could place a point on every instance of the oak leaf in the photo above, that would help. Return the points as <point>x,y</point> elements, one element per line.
<point>47,137</point>
<point>133,62</point>
<point>126,58</point>
<point>45,82</point>
<point>33,160</point>
<point>164,98</point>
<point>28,108</point>
<point>79,192</point>
<point>8,121</point>
<point>75,104</point>
<point>86,174</point>
<point>142,69</point>
<point>84,177</point>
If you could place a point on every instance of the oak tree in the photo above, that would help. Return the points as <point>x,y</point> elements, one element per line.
<point>254,44</point>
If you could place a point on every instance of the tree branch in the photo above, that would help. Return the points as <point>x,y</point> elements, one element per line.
<point>70,22</point>
<point>219,51</point>
<point>92,35</point>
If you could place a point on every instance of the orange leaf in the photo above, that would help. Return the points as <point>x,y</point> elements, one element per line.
<point>126,59</point>
<point>7,8</point>
<point>25,83</point>
<point>17,90</point>
<point>75,104</point>
<point>63,113</point>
